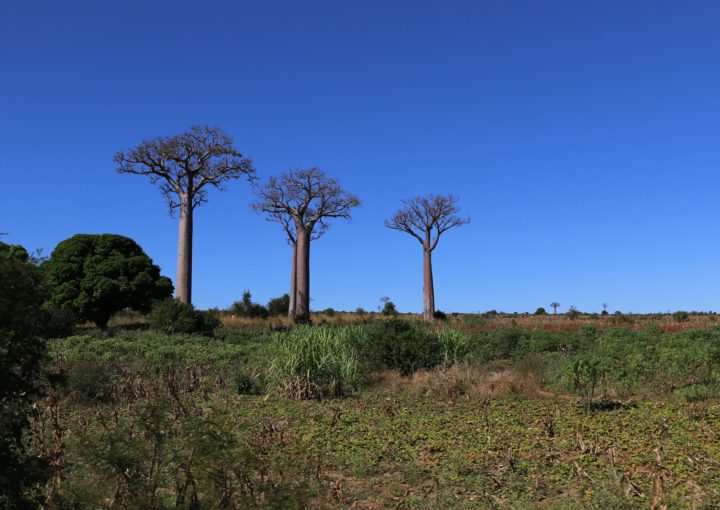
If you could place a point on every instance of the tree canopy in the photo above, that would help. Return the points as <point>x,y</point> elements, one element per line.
<point>97,276</point>
<point>185,165</point>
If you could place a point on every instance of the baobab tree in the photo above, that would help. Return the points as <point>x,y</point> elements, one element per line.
<point>426,218</point>
<point>303,201</point>
<point>554,305</point>
<point>186,166</point>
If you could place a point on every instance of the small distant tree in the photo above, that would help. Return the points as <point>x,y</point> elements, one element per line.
<point>573,313</point>
<point>278,305</point>
<point>96,276</point>
<point>554,305</point>
<point>303,201</point>
<point>388,307</point>
<point>426,219</point>
<point>540,311</point>
<point>186,166</point>
<point>246,308</point>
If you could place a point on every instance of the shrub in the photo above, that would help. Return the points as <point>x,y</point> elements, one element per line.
<point>404,346</point>
<point>330,312</point>
<point>694,393</point>
<point>317,362</point>
<point>389,308</point>
<point>681,316</point>
<point>21,352</point>
<point>250,382</point>
<point>173,316</point>
<point>573,313</point>
<point>585,373</point>
<point>279,305</point>
<point>96,276</point>
<point>246,308</point>
<point>439,315</point>
<point>540,311</point>
<point>57,322</point>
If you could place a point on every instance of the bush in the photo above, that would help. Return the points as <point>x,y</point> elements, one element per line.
<point>439,315</point>
<point>573,313</point>
<point>21,352</point>
<point>173,316</point>
<point>694,393</point>
<point>404,346</point>
<point>317,361</point>
<point>585,373</point>
<point>389,308</point>
<point>246,308</point>
<point>250,382</point>
<point>540,311</point>
<point>279,305</point>
<point>681,316</point>
<point>330,312</point>
<point>57,322</point>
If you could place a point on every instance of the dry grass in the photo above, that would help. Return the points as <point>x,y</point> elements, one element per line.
<point>460,380</point>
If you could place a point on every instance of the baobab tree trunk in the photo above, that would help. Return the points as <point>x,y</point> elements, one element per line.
<point>183,284</point>
<point>293,281</point>
<point>302,280</point>
<point>428,288</point>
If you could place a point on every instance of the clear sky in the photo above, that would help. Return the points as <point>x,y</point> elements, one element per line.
<point>582,137</point>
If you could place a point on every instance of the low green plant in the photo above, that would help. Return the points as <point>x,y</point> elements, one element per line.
<point>317,361</point>
<point>404,346</point>
<point>694,393</point>
<point>173,316</point>
<point>585,372</point>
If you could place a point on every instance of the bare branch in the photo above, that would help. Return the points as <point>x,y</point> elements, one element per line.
<point>305,198</point>
<point>424,216</point>
<point>186,164</point>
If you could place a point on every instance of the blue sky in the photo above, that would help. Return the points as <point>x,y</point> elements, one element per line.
<point>582,138</point>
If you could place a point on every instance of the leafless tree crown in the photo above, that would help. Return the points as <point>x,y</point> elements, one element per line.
<point>304,199</point>
<point>186,164</point>
<point>426,218</point>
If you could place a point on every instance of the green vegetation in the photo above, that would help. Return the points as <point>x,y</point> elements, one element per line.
<point>21,352</point>
<point>173,316</point>
<point>96,276</point>
<point>385,413</point>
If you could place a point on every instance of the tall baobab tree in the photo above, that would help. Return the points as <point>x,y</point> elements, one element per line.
<point>186,166</point>
<point>555,306</point>
<point>426,218</point>
<point>302,201</point>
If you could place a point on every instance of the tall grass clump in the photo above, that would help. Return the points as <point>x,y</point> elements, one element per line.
<point>317,361</point>
<point>455,345</point>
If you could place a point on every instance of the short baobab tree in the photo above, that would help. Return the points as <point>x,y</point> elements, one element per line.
<point>426,219</point>
<point>554,305</point>
<point>186,166</point>
<point>303,201</point>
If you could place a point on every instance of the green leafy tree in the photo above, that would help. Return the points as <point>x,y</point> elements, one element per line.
<point>96,276</point>
<point>21,351</point>
<point>279,305</point>
<point>247,308</point>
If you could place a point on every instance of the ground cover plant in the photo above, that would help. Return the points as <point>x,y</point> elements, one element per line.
<point>383,412</point>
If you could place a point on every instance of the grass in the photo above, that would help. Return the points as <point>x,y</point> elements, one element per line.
<point>170,421</point>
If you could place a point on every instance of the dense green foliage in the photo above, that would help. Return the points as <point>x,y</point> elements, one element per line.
<point>173,316</point>
<point>246,308</point>
<point>279,305</point>
<point>21,351</point>
<point>96,276</point>
<point>404,345</point>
